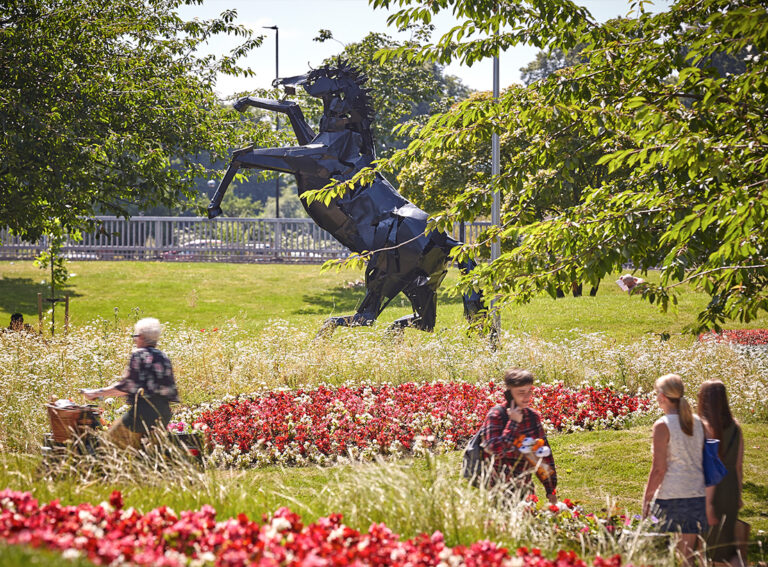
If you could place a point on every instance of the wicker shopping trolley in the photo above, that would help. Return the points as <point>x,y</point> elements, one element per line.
<point>72,433</point>
<point>72,421</point>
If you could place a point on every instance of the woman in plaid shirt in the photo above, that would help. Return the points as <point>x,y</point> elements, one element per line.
<point>147,384</point>
<point>503,431</point>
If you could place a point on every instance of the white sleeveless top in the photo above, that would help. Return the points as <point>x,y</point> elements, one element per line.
<point>685,476</point>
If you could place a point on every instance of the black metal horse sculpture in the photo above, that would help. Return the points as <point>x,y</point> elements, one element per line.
<point>372,218</point>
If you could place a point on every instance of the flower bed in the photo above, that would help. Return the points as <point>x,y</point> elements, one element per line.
<point>109,535</point>
<point>750,337</point>
<point>326,424</point>
<point>573,522</point>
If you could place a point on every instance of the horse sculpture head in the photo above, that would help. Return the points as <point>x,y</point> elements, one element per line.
<point>347,103</point>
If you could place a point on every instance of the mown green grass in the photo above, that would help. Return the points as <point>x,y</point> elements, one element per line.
<point>208,295</point>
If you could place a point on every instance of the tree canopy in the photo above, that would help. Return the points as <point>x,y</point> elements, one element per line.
<point>668,152</point>
<point>98,98</point>
<point>547,62</point>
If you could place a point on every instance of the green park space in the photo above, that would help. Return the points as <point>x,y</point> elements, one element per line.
<point>234,329</point>
<point>206,295</point>
<point>635,135</point>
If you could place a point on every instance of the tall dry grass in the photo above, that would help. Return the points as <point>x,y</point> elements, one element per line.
<point>424,497</point>
<point>210,365</point>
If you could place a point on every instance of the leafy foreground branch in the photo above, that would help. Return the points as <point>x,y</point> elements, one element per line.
<point>649,149</point>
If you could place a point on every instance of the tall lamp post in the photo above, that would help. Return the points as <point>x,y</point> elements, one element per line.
<point>277,116</point>
<point>495,171</point>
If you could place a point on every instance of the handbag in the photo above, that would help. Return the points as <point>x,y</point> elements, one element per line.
<point>714,469</point>
<point>474,466</point>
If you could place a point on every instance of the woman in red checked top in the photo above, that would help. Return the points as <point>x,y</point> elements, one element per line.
<point>516,441</point>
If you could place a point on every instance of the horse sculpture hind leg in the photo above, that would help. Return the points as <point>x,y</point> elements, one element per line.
<point>422,293</point>
<point>381,287</point>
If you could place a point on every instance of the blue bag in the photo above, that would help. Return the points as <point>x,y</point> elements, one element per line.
<point>714,469</point>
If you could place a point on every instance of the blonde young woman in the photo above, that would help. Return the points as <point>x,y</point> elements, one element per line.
<point>675,490</point>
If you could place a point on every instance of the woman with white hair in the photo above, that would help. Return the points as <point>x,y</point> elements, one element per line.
<point>147,384</point>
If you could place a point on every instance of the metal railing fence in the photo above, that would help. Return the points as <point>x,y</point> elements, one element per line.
<point>197,239</point>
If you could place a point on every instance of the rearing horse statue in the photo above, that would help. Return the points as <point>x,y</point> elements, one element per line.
<point>371,218</point>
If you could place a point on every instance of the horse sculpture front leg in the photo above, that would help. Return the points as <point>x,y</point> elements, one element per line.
<point>284,160</point>
<point>214,207</point>
<point>251,159</point>
<point>303,131</point>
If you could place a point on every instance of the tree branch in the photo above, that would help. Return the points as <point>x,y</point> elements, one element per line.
<point>720,269</point>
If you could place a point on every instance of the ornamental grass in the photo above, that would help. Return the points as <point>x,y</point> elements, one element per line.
<point>213,363</point>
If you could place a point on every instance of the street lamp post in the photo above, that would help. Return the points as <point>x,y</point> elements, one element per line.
<point>495,171</point>
<point>277,117</point>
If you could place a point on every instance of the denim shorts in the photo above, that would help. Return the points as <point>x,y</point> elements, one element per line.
<point>684,515</point>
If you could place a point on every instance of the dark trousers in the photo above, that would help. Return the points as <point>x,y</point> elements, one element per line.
<point>145,413</point>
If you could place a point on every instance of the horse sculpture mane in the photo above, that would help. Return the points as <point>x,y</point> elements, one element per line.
<point>351,82</point>
<point>372,218</point>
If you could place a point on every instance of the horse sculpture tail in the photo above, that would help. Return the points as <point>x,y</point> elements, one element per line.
<point>474,304</point>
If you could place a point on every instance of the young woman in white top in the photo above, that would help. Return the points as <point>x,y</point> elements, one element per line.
<point>675,490</point>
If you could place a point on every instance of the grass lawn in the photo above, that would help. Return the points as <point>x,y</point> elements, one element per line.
<point>207,295</point>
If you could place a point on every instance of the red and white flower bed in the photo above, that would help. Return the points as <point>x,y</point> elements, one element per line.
<point>328,424</point>
<point>749,337</point>
<point>107,534</point>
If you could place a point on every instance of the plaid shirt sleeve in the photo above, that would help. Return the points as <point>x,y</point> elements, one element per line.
<point>493,432</point>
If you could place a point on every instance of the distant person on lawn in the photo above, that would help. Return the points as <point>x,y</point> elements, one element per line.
<point>675,490</point>
<point>17,324</point>
<point>502,432</point>
<point>148,386</point>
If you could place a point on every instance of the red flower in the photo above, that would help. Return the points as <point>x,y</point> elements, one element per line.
<point>116,500</point>
<point>331,422</point>
<point>753,337</point>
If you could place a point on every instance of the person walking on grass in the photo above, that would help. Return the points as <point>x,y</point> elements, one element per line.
<point>723,508</point>
<point>147,384</point>
<point>504,432</point>
<point>675,490</point>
